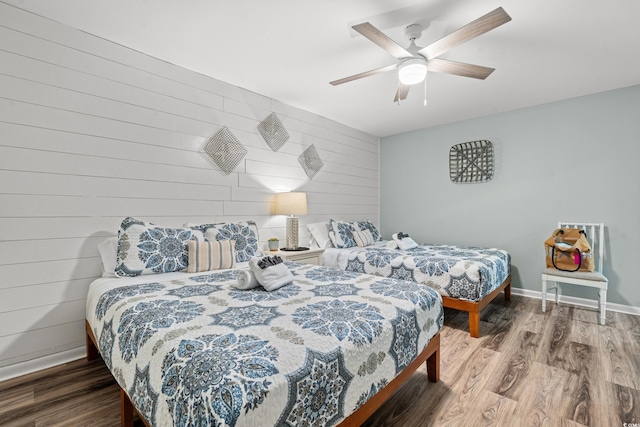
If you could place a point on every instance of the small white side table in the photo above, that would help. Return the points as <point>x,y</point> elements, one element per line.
<point>311,256</point>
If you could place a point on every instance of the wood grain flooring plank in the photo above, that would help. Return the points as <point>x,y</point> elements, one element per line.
<point>518,302</point>
<point>584,332</point>
<point>619,367</point>
<point>561,310</point>
<point>580,405</point>
<point>13,400</point>
<point>23,422</point>
<point>82,412</point>
<point>490,409</point>
<point>626,322</point>
<point>563,422</point>
<point>467,386</point>
<point>629,327</point>
<point>578,358</point>
<point>510,379</point>
<point>500,322</point>
<point>628,404</point>
<point>553,340</point>
<point>64,391</point>
<point>587,315</point>
<point>413,403</point>
<point>459,348</point>
<point>535,322</point>
<point>541,398</point>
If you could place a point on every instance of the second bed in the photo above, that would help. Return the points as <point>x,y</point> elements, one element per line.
<point>468,278</point>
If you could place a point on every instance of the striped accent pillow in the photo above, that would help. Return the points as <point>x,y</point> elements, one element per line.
<point>211,255</point>
<point>363,238</point>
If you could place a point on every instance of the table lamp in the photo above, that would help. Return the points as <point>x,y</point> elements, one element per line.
<point>291,204</point>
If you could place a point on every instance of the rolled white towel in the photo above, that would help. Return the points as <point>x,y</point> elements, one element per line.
<point>272,277</point>
<point>406,243</point>
<point>246,280</point>
<point>391,244</point>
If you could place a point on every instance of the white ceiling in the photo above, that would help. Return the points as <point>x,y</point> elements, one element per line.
<point>289,50</point>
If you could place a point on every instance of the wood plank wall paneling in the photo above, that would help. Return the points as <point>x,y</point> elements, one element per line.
<point>91,132</point>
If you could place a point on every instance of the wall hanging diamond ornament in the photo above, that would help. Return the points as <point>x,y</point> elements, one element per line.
<point>273,132</point>
<point>222,149</point>
<point>471,162</point>
<point>310,161</point>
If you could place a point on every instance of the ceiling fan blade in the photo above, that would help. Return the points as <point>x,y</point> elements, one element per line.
<point>472,30</point>
<point>402,92</point>
<point>459,68</point>
<point>381,39</point>
<point>365,74</point>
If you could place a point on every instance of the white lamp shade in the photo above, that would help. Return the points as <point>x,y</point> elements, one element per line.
<point>291,203</point>
<point>412,71</point>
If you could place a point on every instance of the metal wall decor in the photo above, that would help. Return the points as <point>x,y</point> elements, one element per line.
<point>273,132</point>
<point>310,161</point>
<point>471,162</point>
<point>222,149</point>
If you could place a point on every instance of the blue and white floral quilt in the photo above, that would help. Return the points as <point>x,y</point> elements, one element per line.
<point>190,350</point>
<point>465,273</point>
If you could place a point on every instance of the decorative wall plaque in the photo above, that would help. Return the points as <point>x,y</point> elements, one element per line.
<point>310,161</point>
<point>222,149</point>
<point>273,132</point>
<point>471,162</point>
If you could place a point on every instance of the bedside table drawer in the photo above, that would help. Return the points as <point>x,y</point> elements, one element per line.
<point>311,256</point>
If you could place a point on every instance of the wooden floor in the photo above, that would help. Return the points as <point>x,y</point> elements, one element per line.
<point>528,368</point>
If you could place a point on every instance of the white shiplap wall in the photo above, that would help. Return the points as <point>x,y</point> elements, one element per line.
<point>91,132</point>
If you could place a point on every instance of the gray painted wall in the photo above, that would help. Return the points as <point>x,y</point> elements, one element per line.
<point>574,160</point>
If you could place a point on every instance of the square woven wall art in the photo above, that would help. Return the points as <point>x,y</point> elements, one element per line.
<point>310,161</point>
<point>273,132</point>
<point>471,162</point>
<point>223,150</point>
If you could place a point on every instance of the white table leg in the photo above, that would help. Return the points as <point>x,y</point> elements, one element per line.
<point>544,295</point>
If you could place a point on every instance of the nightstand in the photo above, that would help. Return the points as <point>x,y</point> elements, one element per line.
<point>311,256</point>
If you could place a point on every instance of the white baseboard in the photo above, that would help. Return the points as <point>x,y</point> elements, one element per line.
<point>583,302</point>
<point>40,363</point>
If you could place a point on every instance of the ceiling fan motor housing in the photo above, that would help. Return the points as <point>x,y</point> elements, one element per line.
<point>413,32</point>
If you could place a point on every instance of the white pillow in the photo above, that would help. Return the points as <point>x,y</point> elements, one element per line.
<point>320,234</point>
<point>109,253</point>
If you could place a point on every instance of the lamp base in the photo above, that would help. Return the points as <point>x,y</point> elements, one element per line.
<point>291,242</point>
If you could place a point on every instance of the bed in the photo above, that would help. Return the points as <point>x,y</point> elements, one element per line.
<point>328,349</point>
<point>468,278</point>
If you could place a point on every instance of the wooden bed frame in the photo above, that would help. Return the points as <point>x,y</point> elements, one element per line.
<point>475,307</point>
<point>430,355</point>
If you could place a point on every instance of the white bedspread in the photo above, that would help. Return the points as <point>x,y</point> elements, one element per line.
<point>465,273</point>
<point>191,350</point>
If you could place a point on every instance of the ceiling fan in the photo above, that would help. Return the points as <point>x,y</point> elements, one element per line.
<point>414,61</point>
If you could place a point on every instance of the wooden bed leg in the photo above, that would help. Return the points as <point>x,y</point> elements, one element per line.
<point>433,363</point>
<point>507,292</point>
<point>92,350</point>
<point>474,324</point>
<point>126,410</point>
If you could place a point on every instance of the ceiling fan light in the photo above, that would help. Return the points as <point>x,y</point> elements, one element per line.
<point>412,71</point>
